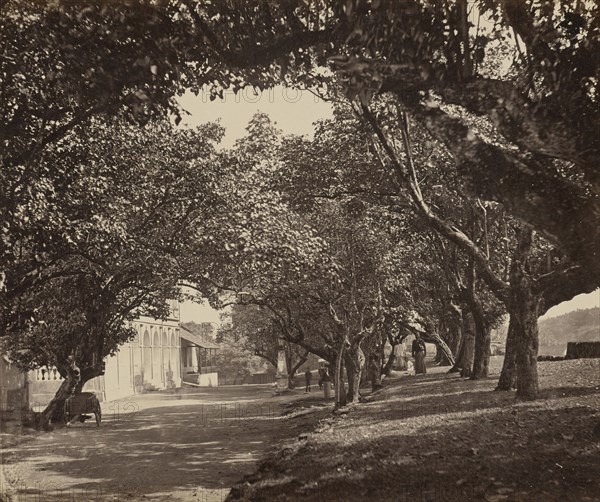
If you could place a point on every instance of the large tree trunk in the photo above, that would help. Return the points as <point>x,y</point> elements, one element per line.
<point>453,337</point>
<point>54,412</point>
<point>465,362</point>
<point>71,385</point>
<point>508,376</point>
<point>526,328</point>
<point>441,357</point>
<point>524,310</point>
<point>387,367</point>
<point>524,315</point>
<point>340,391</point>
<point>375,368</point>
<point>457,339</point>
<point>377,360</point>
<point>287,351</point>
<point>291,384</point>
<point>355,363</point>
<point>291,366</point>
<point>353,377</point>
<point>481,358</point>
<point>440,345</point>
<point>483,339</point>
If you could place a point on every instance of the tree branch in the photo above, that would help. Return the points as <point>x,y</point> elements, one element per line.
<point>449,231</point>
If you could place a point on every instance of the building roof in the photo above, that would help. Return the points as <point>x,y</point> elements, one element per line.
<point>196,339</point>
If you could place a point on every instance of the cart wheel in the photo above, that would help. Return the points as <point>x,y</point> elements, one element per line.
<point>98,417</point>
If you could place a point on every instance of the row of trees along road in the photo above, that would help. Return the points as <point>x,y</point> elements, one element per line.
<point>101,245</point>
<point>420,73</point>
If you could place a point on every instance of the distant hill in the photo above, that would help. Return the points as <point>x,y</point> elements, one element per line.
<point>576,326</point>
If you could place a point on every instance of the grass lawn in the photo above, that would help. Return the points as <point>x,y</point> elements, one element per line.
<point>439,437</point>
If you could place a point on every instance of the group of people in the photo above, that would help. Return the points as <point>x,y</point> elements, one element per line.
<point>323,377</point>
<point>419,351</point>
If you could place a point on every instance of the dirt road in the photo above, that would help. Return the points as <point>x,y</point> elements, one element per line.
<point>189,446</point>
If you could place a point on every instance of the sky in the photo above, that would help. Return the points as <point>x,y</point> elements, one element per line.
<point>190,311</point>
<point>196,312</point>
<point>588,301</point>
<point>294,112</point>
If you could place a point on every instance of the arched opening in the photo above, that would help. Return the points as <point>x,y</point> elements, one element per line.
<point>156,363</point>
<point>165,354</point>
<point>175,355</point>
<point>136,361</point>
<point>147,357</point>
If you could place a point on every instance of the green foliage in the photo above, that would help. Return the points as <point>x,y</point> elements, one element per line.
<point>253,331</point>
<point>107,249</point>
<point>64,62</point>
<point>91,204</point>
<point>236,359</point>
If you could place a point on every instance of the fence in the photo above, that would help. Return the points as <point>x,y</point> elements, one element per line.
<point>14,395</point>
<point>578,350</point>
<point>256,379</point>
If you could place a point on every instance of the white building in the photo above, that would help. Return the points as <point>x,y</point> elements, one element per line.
<point>150,361</point>
<point>161,355</point>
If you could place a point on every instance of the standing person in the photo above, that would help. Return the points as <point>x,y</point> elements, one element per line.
<point>419,352</point>
<point>322,375</point>
<point>308,376</point>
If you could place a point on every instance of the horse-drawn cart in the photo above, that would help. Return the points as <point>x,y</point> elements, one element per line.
<point>77,406</point>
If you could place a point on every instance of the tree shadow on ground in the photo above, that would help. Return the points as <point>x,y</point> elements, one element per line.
<point>443,438</point>
<point>166,451</point>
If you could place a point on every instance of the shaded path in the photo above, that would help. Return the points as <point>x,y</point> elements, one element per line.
<point>443,438</point>
<point>186,446</point>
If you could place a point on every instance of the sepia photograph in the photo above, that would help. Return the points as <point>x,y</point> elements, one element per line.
<point>299,250</point>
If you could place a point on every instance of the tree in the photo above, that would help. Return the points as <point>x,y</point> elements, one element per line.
<point>436,65</point>
<point>315,271</point>
<point>235,357</point>
<point>349,166</point>
<point>476,321</point>
<point>258,333</point>
<point>375,47</point>
<point>131,202</point>
<point>59,71</point>
<point>549,88</point>
<point>525,292</point>
<point>378,47</point>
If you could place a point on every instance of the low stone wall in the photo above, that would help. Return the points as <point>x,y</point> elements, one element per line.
<point>202,380</point>
<point>41,393</point>
<point>13,389</point>
<point>580,350</point>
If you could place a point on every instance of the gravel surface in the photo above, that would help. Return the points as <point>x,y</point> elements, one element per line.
<point>188,446</point>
